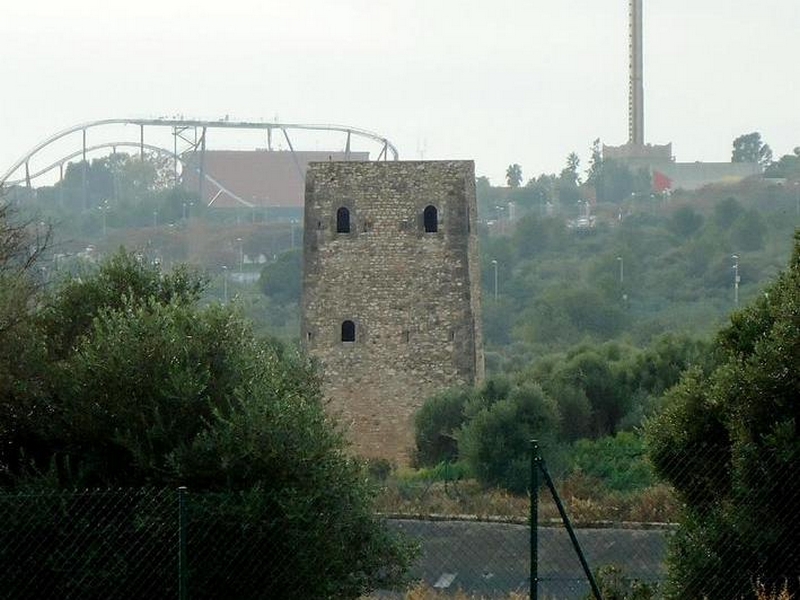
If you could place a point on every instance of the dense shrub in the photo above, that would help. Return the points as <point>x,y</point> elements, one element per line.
<point>281,280</point>
<point>728,441</point>
<point>619,461</point>
<point>141,386</point>
<point>495,442</point>
<point>435,426</point>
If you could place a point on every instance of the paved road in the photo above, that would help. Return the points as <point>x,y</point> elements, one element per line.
<point>492,559</point>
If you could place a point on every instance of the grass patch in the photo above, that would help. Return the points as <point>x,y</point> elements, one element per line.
<point>586,499</point>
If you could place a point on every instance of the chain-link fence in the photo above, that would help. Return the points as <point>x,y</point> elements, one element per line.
<point>89,544</point>
<point>479,544</point>
<point>715,539</point>
<point>155,543</point>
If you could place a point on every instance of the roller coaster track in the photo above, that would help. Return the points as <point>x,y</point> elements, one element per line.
<point>150,147</point>
<point>179,126</point>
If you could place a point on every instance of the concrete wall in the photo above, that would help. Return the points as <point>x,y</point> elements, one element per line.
<point>413,296</point>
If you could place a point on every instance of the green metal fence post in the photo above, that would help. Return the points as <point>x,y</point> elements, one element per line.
<point>568,525</point>
<point>183,567</point>
<point>535,458</point>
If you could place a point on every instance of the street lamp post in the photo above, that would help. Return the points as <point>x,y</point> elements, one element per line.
<point>736,279</point>
<point>241,255</point>
<point>494,264</point>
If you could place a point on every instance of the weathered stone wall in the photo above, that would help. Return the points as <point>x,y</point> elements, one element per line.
<point>414,296</point>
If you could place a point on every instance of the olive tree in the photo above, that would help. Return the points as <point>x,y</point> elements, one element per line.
<point>137,384</point>
<point>728,441</point>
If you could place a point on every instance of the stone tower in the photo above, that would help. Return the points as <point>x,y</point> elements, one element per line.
<point>391,291</point>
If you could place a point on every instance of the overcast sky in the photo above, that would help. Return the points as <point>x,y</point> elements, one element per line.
<point>499,81</point>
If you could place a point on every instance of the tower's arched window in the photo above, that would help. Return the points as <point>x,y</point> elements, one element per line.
<point>430,219</point>
<point>348,331</point>
<point>343,220</point>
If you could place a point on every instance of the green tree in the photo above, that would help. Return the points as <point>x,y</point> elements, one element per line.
<point>615,181</point>
<point>618,460</point>
<point>142,386</point>
<point>495,441</point>
<point>749,231</point>
<point>606,391</point>
<point>750,148</point>
<point>726,212</point>
<point>787,166</point>
<point>483,186</point>
<point>569,181</point>
<point>574,408</point>
<point>685,221</point>
<point>595,163</point>
<point>436,424</point>
<point>570,171</point>
<point>535,235</point>
<point>570,314</point>
<point>22,352</point>
<point>661,365</point>
<point>497,321</point>
<point>728,441</point>
<point>282,279</point>
<point>514,175</point>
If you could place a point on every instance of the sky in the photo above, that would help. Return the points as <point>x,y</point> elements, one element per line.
<point>500,82</point>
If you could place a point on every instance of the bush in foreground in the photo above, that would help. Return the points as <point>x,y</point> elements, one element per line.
<point>728,442</point>
<point>137,385</point>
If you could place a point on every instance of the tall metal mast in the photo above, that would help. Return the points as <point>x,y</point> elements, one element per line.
<point>636,91</point>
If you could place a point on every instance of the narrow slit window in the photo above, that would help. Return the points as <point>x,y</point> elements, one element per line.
<point>430,219</point>
<point>348,331</point>
<point>343,220</point>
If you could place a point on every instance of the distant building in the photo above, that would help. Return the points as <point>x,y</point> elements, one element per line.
<point>271,179</point>
<point>666,174</point>
<point>640,156</point>
<point>693,176</point>
<point>657,160</point>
